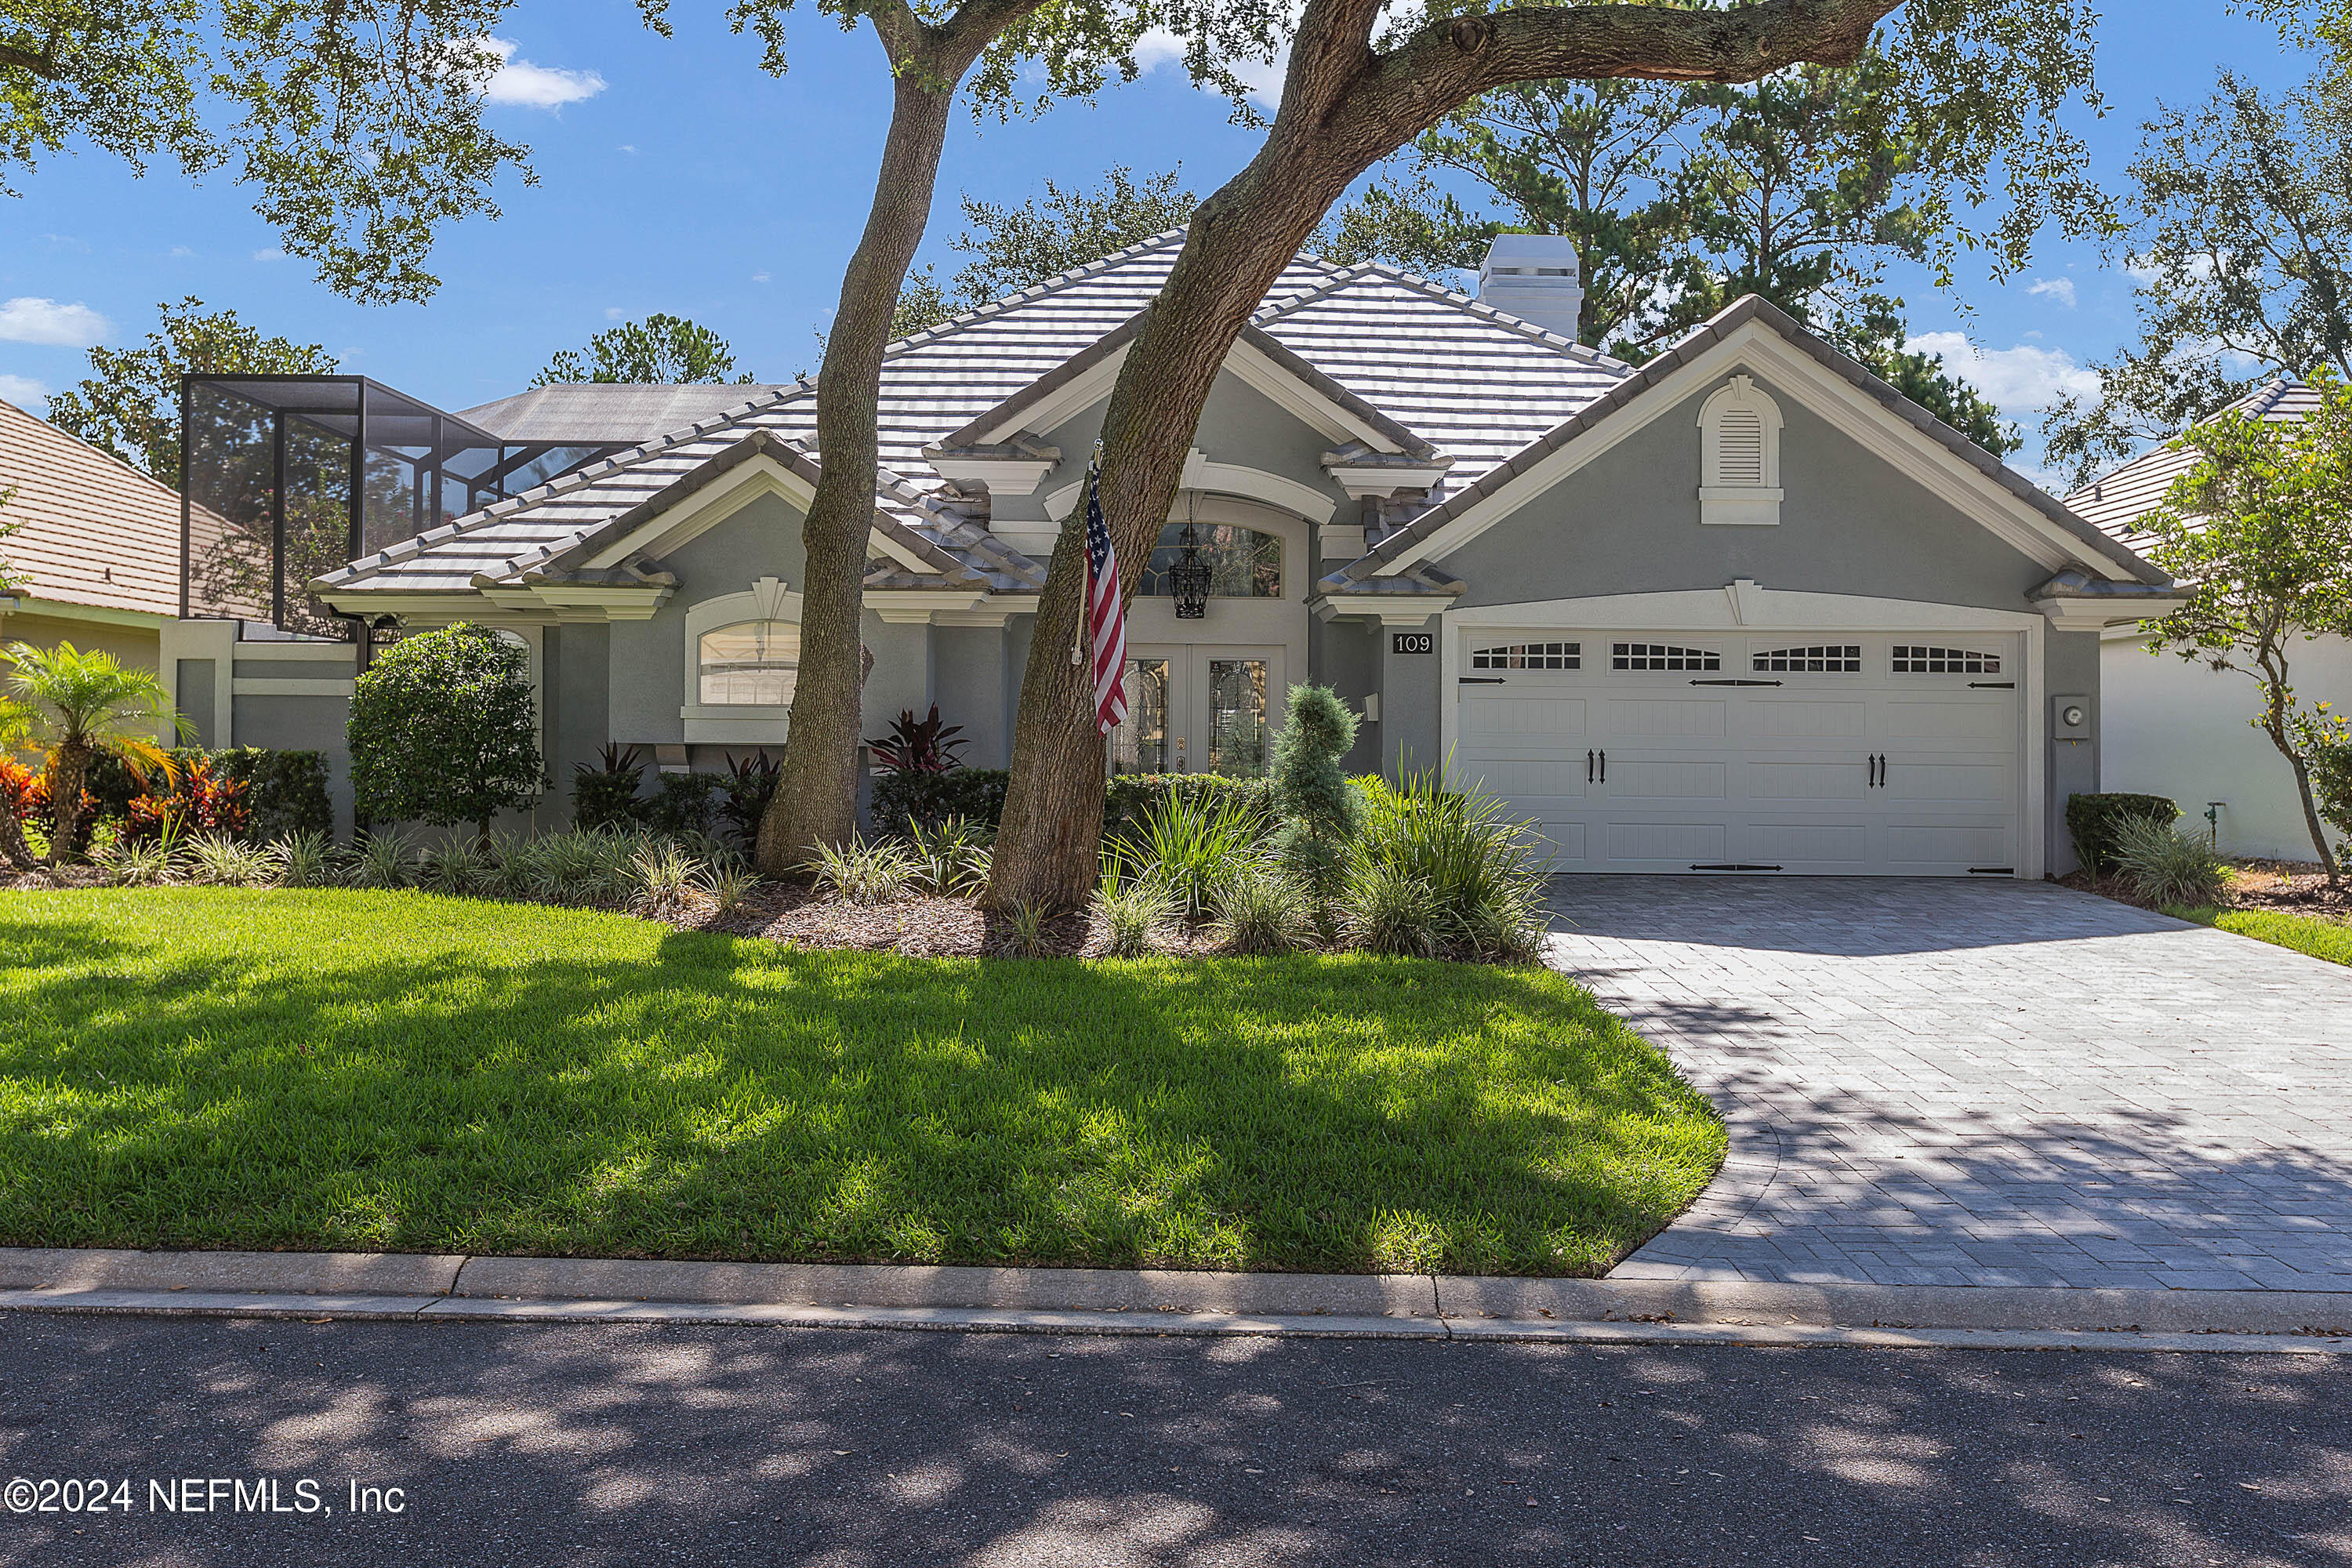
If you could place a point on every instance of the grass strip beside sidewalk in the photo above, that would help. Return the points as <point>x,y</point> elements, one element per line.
<point>396,1071</point>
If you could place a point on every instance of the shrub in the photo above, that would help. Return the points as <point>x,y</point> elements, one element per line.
<point>1193,847</point>
<point>606,796</point>
<point>1385,909</point>
<point>863,872</point>
<point>450,868</point>
<point>285,791</point>
<point>745,791</point>
<point>2094,820</point>
<point>442,731</point>
<point>1320,810</point>
<point>2167,866</point>
<point>680,805</point>
<point>664,880</point>
<point>17,783</point>
<point>729,885</point>
<point>305,859</point>
<point>951,860</point>
<point>919,745</point>
<point>215,859</point>
<point>133,864</point>
<point>1261,909</point>
<point>1135,910</point>
<point>1128,799</point>
<point>976,794</point>
<point>2324,740</point>
<point>1485,886</point>
<point>196,797</point>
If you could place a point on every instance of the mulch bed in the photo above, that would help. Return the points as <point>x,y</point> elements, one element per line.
<point>2288,887</point>
<point>920,928</point>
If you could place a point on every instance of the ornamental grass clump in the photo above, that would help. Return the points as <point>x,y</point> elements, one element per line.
<point>1451,860</point>
<point>216,860</point>
<point>1262,911</point>
<point>2166,866</point>
<point>453,869</point>
<point>1193,847</point>
<point>304,859</point>
<point>951,860</point>
<point>385,860</point>
<point>665,881</point>
<point>860,872</point>
<point>1135,910</point>
<point>140,863</point>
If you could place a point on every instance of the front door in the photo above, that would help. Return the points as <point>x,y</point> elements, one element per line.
<point>1195,709</point>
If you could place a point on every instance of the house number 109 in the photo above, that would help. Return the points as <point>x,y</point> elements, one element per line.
<point>1413,642</point>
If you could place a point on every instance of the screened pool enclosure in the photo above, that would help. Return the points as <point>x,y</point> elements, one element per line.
<point>289,477</point>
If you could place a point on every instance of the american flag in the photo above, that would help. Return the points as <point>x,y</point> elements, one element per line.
<point>1106,616</point>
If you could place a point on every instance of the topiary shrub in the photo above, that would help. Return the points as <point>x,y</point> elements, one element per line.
<point>442,731</point>
<point>976,794</point>
<point>1319,809</point>
<point>2094,820</point>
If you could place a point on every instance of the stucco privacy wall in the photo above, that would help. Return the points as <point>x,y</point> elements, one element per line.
<point>2181,729</point>
<point>1628,522</point>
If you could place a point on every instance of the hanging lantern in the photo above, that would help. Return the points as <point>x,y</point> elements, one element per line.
<point>1188,579</point>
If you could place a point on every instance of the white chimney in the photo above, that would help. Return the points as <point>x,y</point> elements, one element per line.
<point>1534,276</point>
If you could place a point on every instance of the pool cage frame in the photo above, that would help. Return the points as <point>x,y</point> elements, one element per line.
<point>436,457</point>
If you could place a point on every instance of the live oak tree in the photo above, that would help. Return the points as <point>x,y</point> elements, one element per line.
<point>128,405</point>
<point>356,124</point>
<point>664,349</point>
<point>1073,45</point>
<point>1987,77</point>
<point>2239,245</point>
<point>2259,532</point>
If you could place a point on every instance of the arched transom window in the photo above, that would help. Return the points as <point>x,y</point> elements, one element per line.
<point>752,664</point>
<point>1243,562</point>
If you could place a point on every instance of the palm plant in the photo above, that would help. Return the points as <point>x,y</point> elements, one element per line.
<point>85,706</point>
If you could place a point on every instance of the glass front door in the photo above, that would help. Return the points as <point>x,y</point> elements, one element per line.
<point>1198,709</point>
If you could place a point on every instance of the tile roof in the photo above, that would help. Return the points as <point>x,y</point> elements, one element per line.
<point>1448,375</point>
<point>607,414</point>
<point>1748,308</point>
<point>95,531</point>
<point>2115,502</point>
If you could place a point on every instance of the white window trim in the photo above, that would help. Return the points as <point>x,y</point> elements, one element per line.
<point>1739,505</point>
<point>742,725</point>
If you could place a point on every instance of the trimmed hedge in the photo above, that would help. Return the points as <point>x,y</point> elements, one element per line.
<point>284,791</point>
<point>2093,820</point>
<point>976,794</point>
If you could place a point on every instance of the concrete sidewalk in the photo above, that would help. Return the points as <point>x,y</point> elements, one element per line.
<point>1123,1301</point>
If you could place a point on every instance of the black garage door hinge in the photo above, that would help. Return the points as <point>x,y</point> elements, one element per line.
<point>1992,686</point>
<point>1479,679</point>
<point>1731,682</point>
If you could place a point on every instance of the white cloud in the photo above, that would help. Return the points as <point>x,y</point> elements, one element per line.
<point>2058,288</point>
<point>23,391</point>
<point>1158,48</point>
<point>613,312</point>
<point>2022,380</point>
<point>26,320</point>
<point>630,148</point>
<point>759,277</point>
<point>521,83</point>
<point>180,252</point>
<point>1262,79</point>
<point>272,254</point>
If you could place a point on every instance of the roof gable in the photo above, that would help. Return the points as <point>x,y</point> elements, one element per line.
<point>2115,501</point>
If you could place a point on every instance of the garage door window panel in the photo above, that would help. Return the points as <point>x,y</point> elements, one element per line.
<point>1911,658</point>
<point>1528,656</point>
<point>1813,658</point>
<point>1662,656</point>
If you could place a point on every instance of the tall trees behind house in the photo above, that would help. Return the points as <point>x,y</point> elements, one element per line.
<point>2238,241</point>
<point>1802,188</point>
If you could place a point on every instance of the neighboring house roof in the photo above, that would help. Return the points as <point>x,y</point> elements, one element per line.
<point>1400,546</point>
<point>609,414</point>
<point>2115,501</point>
<point>96,532</point>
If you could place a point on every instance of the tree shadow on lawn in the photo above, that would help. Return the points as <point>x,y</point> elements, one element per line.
<point>700,1096</point>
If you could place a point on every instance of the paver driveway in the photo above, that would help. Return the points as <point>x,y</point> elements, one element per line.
<point>1970,1083</point>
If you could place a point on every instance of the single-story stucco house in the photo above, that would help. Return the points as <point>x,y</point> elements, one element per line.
<point>1743,607</point>
<point>2178,728</point>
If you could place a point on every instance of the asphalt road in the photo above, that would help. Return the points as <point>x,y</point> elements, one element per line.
<point>586,1446</point>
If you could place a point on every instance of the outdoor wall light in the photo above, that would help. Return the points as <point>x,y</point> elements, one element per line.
<point>1188,579</point>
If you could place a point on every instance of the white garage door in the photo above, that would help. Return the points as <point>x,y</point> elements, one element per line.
<point>1824,752</point>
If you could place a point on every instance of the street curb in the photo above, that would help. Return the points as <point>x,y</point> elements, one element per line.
<point>1143,1325</point>
<point>1145,1301</point>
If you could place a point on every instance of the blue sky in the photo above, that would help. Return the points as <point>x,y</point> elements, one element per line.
<point>674,175</point>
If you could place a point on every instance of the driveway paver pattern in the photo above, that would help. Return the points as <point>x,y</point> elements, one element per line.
<point>1932,1082</point>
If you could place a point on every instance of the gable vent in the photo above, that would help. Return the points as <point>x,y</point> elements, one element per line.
<point>1741,455</point>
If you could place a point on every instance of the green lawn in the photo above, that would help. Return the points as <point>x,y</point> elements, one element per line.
<point>340,1069</point>
<point>2305,933</point>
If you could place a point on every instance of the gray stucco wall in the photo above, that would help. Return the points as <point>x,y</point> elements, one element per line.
<point>578,675</point>
<point>2073,660</point>
<point>1346,659</point>
<point>302,724</point>
<point>1628,523</point>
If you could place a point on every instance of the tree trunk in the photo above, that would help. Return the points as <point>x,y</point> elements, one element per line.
<point>14,853</point>
<point>2276,731</point>
<point>816,800</point>
<point>1345,106</point>
<point>68,771</point>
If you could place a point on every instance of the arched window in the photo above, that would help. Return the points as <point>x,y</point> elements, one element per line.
<point>752,664</point>
<point>1739,456</point>
<point>1244,563</point>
